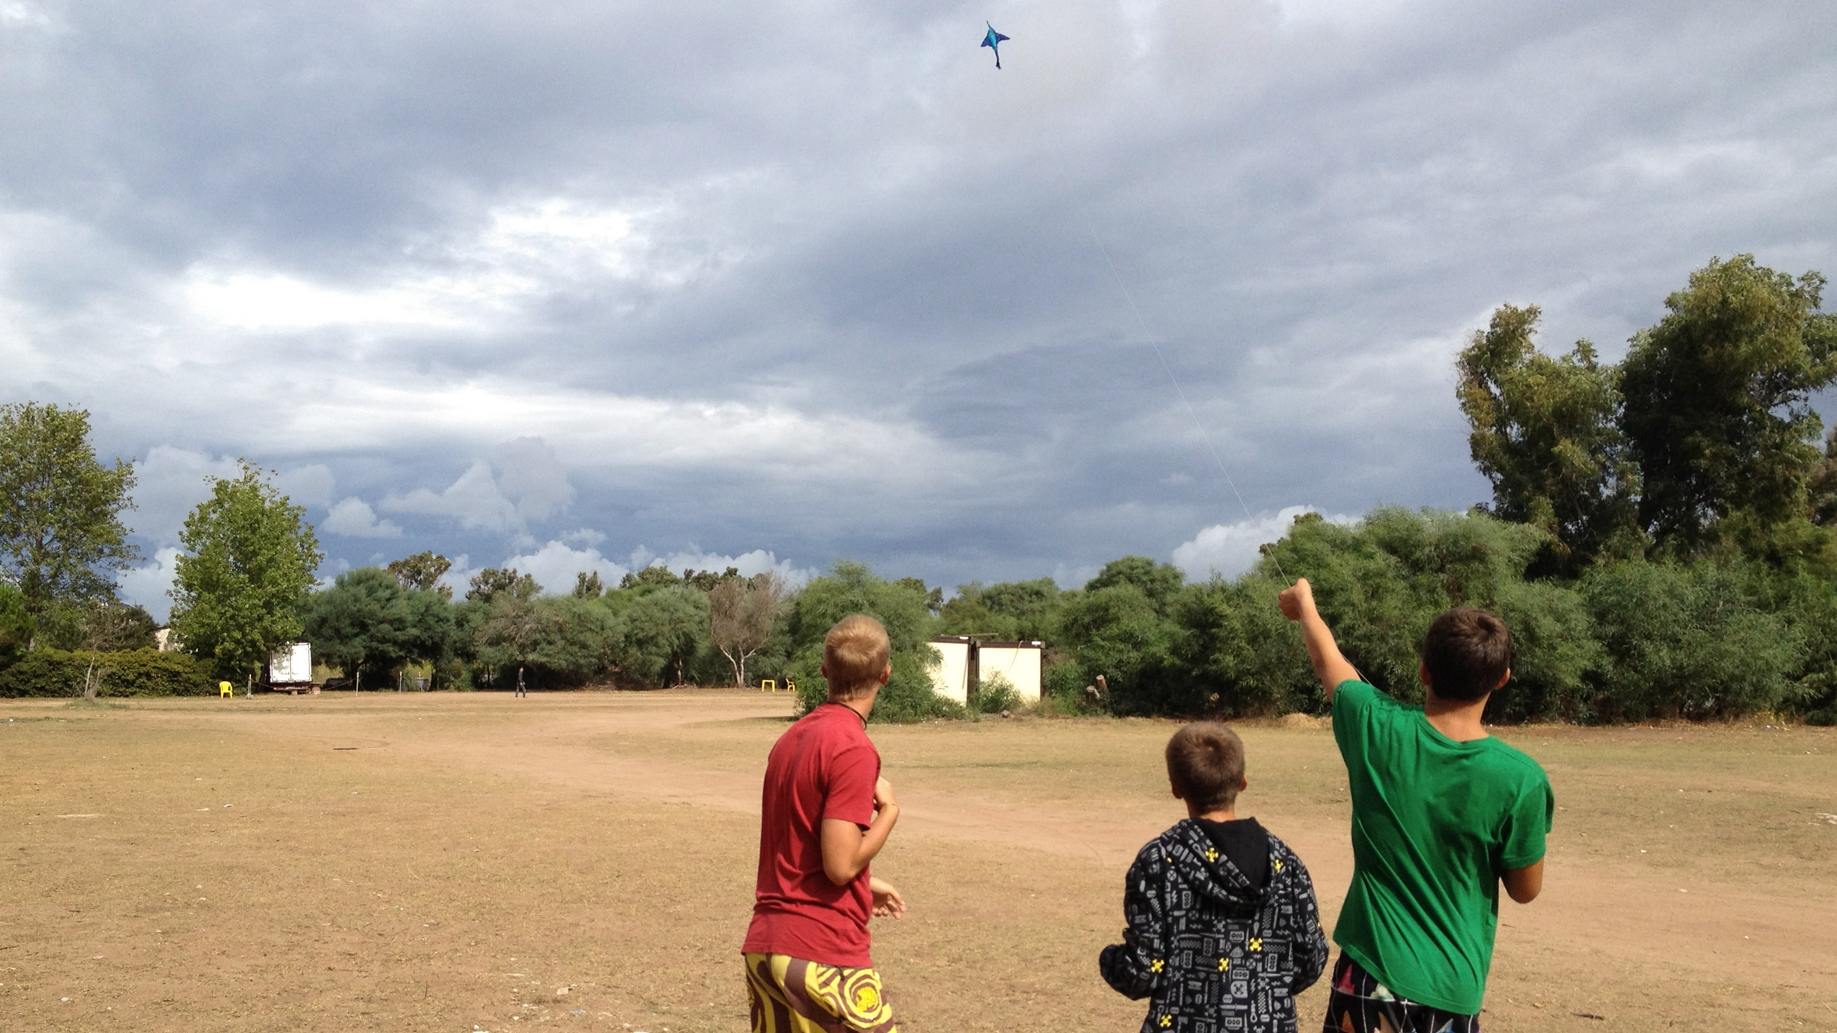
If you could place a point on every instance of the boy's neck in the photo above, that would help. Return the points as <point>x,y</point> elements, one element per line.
<point>1457,719</point>
<point>862,705</point>
<point>1217,814</point>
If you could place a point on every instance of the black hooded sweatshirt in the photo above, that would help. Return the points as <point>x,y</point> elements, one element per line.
<point>1213,950</point>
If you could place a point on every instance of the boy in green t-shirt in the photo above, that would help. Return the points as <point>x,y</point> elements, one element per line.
<point>1442,813</point>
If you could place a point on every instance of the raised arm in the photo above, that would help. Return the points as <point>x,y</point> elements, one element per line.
<point>1297,602</point>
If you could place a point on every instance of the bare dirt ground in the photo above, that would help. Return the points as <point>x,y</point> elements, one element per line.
<point>480,862</point>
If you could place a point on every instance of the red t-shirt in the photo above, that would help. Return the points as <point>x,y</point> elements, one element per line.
<point>824,766</point>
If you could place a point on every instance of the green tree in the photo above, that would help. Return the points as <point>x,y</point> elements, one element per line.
<point>113,627</point>
<point>16,624</point>
<point>366,621</point>
<point>1685,639</point>
<point>665,630</point>
<point>1545,431</point>
<point>1158,581</point>
<point>650,577</point>
<point>422,572</point>
<point>1013,610</point>
<point>1236,656</point>
<point>61,536</point>
<point>579,641</point>
<point>587,585</point>
<point>850,588</point>
<point>741,612</point>
<point>934,597</point>
<point>510,630</point>
<point>1380,583</point>
<point>1119,632</point>
<point>490,583</point>
<point>249,562</point>
<point>1717,400</point>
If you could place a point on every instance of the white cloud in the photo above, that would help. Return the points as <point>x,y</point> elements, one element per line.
<point>148,586</point>
<point>458,577</point>
<point>306,485</point>
<point>170,482</point>
<point>732,323</point>
<point>354,518</point>
<point>275,301</point>
<point>529,473</point>
<point>474,500</point>
<point>480,280</point>
<point>1231,549</point>
<point>524,481</point>
<point>758,561</point>
<point>17,14</point>
<point>555,565</point>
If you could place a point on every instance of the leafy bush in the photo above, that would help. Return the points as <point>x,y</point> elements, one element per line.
<point>1118,632</point>
<point>665,631</point>
<point>135,672</point>
<point>1684,640</point>
<point>366,621</point>
<point>851,588</point>
<point>996,693</point>
<point>1240,657</point>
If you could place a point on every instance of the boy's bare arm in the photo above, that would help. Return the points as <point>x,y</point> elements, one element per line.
<point>1297,602</point>
<point>1524,884</point>
<point>847,847</point>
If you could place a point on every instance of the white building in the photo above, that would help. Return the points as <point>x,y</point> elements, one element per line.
<point>967,662</point>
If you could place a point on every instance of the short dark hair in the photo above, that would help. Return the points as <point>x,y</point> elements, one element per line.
<point>1467,652</point>
<point>1205,762</point>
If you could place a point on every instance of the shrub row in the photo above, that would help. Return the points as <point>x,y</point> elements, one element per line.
<point>56,673</point>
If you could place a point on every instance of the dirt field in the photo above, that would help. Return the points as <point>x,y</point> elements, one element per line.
<point>461,862</point>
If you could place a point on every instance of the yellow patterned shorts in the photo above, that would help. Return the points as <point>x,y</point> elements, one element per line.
<point>791,995</point>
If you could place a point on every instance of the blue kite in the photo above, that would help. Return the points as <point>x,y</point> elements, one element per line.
<point>993,42</point>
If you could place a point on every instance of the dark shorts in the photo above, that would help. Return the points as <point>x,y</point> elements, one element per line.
<point>1360,1004</point>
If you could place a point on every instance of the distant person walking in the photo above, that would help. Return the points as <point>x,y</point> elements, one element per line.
<point>521,691</point>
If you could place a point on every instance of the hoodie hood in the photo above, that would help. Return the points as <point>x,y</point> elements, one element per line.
<point>1209,871</point>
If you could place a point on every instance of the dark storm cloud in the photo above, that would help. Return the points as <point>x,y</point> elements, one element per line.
<point>816,279</point>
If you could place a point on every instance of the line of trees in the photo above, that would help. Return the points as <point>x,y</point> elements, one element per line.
<point>657,628</point>
<point>1662,537</point>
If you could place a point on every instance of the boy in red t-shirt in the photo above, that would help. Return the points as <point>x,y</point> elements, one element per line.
<point>825,813</point>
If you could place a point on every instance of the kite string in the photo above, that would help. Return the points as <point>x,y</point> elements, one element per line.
<point>1169,370</point>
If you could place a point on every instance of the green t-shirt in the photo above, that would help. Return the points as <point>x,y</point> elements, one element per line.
<point>1435,823</point>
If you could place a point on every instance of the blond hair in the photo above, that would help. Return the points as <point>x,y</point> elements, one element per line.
<point>855,654</point>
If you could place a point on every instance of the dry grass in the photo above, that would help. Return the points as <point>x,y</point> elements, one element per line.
<point>453,862</point>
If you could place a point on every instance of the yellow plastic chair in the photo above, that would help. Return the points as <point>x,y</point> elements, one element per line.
<point>223,689</point>
<point>768,685</point>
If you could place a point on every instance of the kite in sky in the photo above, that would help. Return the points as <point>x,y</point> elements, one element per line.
<point>993,42</point>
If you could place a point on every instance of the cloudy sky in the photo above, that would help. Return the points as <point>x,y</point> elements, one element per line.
<point>578,285</point>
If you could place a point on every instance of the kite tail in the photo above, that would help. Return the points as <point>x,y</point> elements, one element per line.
<point>998,60</point>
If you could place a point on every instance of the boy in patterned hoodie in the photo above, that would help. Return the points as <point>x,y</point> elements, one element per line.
<point>1223,927</point>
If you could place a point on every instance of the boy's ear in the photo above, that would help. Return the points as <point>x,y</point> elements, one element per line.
<point>1507,676</point>
<point>1178,795</point>
<point>1422,674</point>
<point>888,673</point>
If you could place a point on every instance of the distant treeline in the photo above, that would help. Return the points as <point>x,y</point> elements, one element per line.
<point>1662,539</point>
